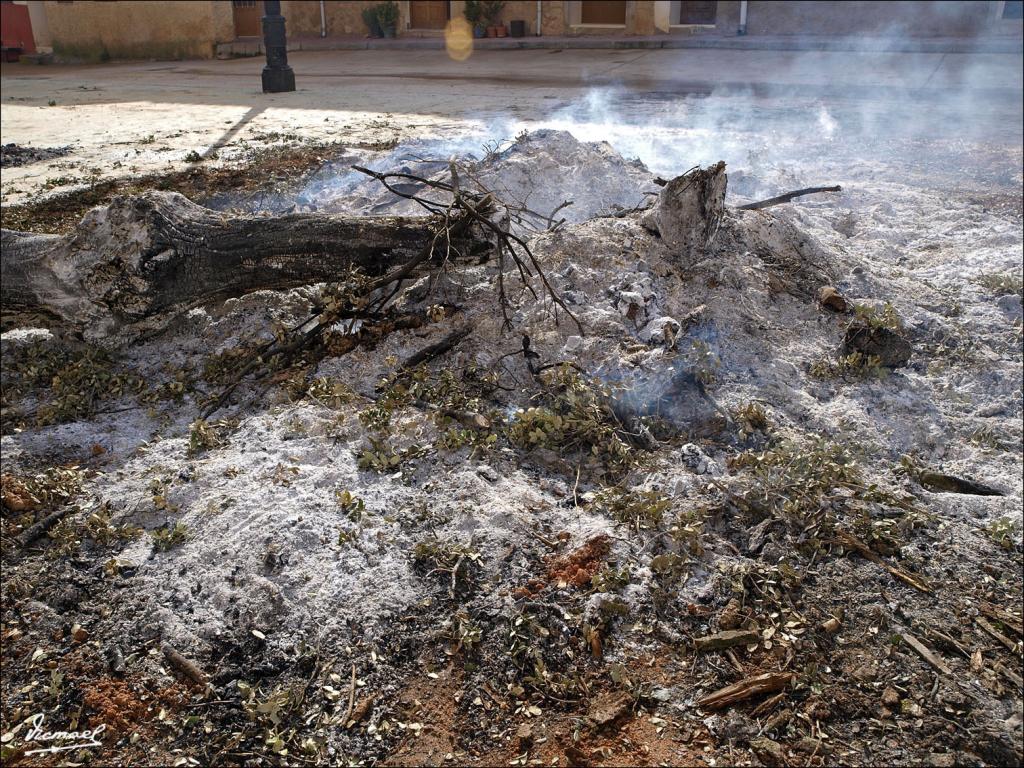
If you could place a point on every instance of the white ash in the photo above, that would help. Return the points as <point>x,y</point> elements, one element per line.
<point>910,246</point>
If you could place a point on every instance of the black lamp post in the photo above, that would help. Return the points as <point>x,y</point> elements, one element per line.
<point>277,75</point>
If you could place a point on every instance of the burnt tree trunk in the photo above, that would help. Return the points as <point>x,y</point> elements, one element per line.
<point>142,256</point>
<point>689,210</point>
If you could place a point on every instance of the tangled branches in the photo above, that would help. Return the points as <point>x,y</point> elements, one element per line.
<point>494,216</point>
<point>361,298</point>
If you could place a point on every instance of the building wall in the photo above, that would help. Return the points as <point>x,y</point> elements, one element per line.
<point>158,29</point>
<point>640,18</point>
<point>343,18</point>
<point>919,18</point>
<point>875,17</point>
<point>523,10</point>
<point>141,29</point>
<point>40,27</point>
<point>553,18</point>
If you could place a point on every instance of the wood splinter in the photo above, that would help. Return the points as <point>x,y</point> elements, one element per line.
<point>925,653</point>
<point>770,682</point>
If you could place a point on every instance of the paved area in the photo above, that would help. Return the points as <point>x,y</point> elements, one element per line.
<point>144,117</point>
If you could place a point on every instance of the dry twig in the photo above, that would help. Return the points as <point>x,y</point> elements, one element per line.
<point>787,197</point>
<point>848,541</point>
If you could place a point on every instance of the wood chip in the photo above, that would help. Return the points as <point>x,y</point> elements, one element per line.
<point>1010,675</point>
<point>767,705</point>
<point>942,640</point>
<point>360,711</point>
<point>1010,645</point>
<point>769,682</point>
<point>831,625</point>
<point>1006,618</point>
<point>726,639</point>
<point>926,654</point>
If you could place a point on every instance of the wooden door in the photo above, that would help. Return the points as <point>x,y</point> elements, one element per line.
<point>428,14</point>
<point>697,12</point>
<point>603,12</point>
<point>16,30</point>
<point>247,15</point>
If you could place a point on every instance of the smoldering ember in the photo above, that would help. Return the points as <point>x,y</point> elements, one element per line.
<point>555,384</point>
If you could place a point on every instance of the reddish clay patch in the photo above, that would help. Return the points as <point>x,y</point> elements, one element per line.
<point>115,704</point>
<point>123,708</point>
<point>579,566</point>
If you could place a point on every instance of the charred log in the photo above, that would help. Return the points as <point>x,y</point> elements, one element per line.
<point>142,256</point>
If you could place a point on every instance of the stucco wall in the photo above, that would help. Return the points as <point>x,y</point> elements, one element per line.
<point>923,18</point>
<point>640,18</point>
<point>873,17</point>
<point>140,29</point>
<point>156,29</point>
<point>343,18</point>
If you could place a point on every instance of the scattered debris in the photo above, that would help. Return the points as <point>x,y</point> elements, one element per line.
<point>400,549</point>
<point>608,709</point>
<point>579,566</point>
<point>851,542</point>
<point>1009,644</point>
<point>831,625</point>
<point>890,697</point>
<point>13,154</point>
<point>769,752</point>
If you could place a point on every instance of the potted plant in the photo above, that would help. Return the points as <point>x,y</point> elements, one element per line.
<point>473,11</point>
<point>370,20</point>
<point>387,17</point>
<point>491,10</point>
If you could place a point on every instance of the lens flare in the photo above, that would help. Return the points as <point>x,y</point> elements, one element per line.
<point>458,39</point>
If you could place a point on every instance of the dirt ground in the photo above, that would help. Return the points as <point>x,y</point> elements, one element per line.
<point>354,578</point>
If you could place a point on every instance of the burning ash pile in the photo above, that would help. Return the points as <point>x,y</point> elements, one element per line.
<point>720,438</point>
<point>542,170</point>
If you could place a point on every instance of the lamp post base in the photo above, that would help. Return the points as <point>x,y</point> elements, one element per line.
<point>278,80</point>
